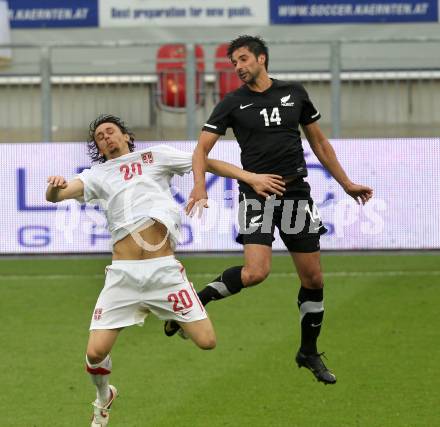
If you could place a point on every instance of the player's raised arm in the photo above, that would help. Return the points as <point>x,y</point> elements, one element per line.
<point>204,145</point>
<point>264,184</point>
<point>327,156</point>
<point>59,189</point>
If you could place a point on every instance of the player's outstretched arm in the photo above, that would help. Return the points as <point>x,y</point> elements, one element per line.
<point>198,195</point>
<point>263,184</point>
<point>59,189</point>
<point>327,156</point>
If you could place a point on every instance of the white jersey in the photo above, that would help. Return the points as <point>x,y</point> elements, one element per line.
<point>135,187</point>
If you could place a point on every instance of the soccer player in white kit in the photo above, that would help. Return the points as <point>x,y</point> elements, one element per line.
<point>133,188</point>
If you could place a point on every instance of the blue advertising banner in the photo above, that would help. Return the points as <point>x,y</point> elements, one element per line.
<point>349,11</point>
<point>53,13</point>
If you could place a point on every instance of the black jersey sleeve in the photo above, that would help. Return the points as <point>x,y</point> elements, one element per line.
<point>309,113</point>
<point>219,120</point>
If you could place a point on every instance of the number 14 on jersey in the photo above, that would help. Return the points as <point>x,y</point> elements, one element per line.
<point>274,116</point>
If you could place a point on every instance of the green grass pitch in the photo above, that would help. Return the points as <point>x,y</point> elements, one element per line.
<point>381,336</point>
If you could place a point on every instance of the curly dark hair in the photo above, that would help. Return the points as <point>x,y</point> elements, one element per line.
<point>255,44</point>
<point>92,147</point>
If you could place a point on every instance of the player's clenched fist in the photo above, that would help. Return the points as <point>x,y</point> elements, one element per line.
<point>57,181</point>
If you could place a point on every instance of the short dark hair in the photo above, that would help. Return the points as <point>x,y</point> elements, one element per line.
<point>92,147</point>
<point>254,43</point>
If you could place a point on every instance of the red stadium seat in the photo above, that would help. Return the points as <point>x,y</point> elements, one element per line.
<point>226,77</point>
<point>171,76</point>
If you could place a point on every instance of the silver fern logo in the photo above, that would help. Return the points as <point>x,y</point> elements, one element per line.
<point>284,102</point>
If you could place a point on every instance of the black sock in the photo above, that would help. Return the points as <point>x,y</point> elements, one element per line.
<point>310,304</point>
<point>228,283</point>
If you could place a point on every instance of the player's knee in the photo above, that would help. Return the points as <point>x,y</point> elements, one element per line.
<point>207,342</point>
<point>312,281</point>
<point>254,276</point>
<point>95,355</point>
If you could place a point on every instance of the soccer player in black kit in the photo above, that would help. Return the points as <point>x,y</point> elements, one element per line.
<point>265,115</point>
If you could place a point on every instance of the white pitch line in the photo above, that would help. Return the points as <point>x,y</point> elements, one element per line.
<point>6,277</point>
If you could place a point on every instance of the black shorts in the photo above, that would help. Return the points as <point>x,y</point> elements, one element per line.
<point>294,214</point>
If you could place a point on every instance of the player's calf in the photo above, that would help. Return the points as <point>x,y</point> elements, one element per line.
<point>99,374</point>
<point>225,285</point>
<point>201,332</point>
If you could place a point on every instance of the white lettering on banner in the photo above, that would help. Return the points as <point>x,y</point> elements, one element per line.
<point>392,219</point>
<point>358,10</point>
<point>182,13</point>
<point>55,14</point>
<point>372,212</point>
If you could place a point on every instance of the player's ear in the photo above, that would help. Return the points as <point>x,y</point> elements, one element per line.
<point>261,59</point>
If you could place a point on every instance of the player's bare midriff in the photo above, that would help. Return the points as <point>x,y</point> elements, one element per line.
<point>156,244</point>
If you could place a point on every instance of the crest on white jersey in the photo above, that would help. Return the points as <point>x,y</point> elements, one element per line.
<point>284,102</point>
<point>148,157</point>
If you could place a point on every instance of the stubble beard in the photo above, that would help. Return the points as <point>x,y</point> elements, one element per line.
<point>114,152</point>
<point>252,81</point>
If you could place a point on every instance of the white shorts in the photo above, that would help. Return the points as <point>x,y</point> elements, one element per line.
<point>132,289</point>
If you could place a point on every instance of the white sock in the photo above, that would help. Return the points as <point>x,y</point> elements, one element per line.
<point>100,373</point>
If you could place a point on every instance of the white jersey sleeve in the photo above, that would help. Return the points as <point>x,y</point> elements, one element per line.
<point>173,161</point>
<point>91,190</point>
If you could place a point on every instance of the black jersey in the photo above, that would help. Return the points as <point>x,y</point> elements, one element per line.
<point>266,126</point>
